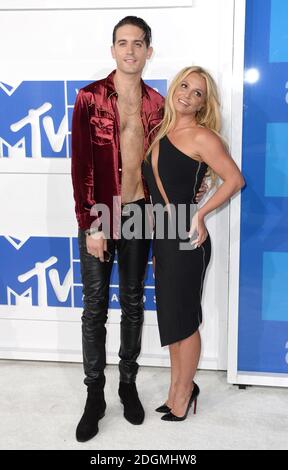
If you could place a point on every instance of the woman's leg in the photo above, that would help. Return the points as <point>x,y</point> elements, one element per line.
<point>174,361</point>
<point>189,354</point>
<point>175,370</point>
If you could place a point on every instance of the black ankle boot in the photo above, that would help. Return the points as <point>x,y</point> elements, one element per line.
<point>133,409</point>
<point>94,410</point>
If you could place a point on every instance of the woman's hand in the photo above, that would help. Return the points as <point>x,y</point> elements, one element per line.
<point>198,229</point>
<point>202,190</point>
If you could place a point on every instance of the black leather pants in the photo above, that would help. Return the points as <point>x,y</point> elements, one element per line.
<point>132,263</point>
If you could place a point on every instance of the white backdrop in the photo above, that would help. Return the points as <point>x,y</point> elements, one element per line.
<point>74,44</point>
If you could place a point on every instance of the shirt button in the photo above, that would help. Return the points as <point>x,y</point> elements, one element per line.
<point>120,169</point>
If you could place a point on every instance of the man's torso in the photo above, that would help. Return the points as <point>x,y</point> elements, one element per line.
<point>132,149</point>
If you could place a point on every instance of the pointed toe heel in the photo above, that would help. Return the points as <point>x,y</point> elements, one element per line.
<point>163,409</point>
<point>171,417</point>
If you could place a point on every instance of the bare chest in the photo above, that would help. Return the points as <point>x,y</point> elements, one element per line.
<point>131,139</point>
<point>130,124</point>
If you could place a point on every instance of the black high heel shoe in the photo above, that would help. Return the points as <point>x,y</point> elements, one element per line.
<point>171,417</point>
<point>163,409</point>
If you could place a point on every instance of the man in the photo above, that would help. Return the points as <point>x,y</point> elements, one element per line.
<point>112,128</point>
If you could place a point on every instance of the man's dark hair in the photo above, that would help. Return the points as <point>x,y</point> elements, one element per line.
<point>135,21</point>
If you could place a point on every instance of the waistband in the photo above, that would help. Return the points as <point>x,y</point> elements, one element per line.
<point>139,202</point>
<point>126,208</point>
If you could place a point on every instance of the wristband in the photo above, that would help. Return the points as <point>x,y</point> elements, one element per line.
<point>92,230</point>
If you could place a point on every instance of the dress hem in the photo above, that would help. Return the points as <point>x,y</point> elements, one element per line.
<point>181,338</point>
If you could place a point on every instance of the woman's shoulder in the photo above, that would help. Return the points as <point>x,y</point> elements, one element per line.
<point>198,133</point>
<point>204,135</point>
<point>202,131</point>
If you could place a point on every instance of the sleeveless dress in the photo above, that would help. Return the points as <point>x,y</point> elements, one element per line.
<point>180,268</point>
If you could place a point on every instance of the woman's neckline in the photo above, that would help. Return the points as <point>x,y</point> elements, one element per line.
<point>182,153</point>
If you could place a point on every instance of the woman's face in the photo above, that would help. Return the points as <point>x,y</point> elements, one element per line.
<point>190,95</point>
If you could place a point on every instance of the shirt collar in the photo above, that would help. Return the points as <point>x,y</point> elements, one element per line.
<point>111,87</point>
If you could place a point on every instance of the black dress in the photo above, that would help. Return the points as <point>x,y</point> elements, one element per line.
<point>180,269</point>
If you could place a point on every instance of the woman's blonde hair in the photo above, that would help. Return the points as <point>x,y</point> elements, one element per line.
<point>208,116</point>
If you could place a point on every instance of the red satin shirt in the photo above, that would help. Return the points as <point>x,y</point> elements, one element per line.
<point>96,155</point>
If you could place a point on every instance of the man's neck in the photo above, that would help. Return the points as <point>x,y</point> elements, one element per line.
<point>127,85</point>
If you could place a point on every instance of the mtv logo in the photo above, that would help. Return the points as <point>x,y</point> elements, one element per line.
<point>20,300</point>
<point>34,113</point>
<point>36,271</point>
<point>12,151</point>
<point>10,87</point>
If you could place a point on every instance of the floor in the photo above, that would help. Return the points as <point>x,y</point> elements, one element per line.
<point>42,402</point>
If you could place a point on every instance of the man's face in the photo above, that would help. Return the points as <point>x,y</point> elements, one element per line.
<point>130,50</point>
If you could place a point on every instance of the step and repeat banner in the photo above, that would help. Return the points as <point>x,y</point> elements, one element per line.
<point>262,353</point>
<point>51,54</point>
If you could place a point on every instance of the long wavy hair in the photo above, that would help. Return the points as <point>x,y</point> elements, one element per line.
<point>208,116</point>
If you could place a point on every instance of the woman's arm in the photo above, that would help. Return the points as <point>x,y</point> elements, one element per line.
<point>213,152</point>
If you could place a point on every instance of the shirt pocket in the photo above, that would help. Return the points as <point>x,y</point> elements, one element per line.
<point>102,126</point>
<point>154,119</point>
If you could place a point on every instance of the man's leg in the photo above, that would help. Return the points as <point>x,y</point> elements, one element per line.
<point>132,259</point>
<point>95,278</point>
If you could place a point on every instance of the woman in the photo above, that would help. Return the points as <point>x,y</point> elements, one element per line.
<point>186,148</point>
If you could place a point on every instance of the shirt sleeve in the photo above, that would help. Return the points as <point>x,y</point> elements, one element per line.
<point>82,162</point>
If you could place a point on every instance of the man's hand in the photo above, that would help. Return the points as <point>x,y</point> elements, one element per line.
<point>96,245</point>
<point>202,190</point>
